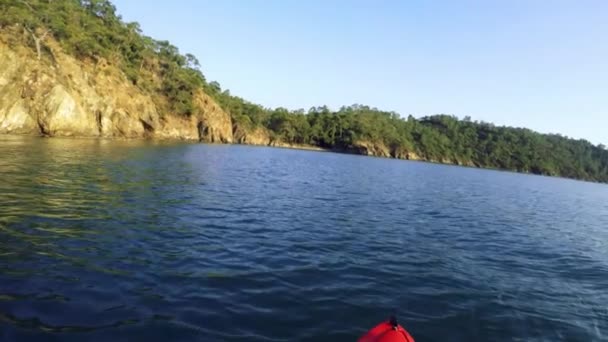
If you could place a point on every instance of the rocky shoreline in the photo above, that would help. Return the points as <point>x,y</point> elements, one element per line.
<point>66,97</point>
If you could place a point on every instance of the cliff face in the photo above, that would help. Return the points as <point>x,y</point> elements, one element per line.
<point>63,96</point>
<point>67,97</point>
<point>256,136</point>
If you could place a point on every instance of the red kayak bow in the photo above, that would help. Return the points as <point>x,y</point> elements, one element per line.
<point>389,331</point>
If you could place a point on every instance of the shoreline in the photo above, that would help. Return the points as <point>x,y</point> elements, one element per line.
<point>302,147</point>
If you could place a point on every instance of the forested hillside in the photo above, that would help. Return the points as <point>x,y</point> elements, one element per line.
<point>439,138</point>
<point>91,30</point>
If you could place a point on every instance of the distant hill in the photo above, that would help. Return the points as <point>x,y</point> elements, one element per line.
<point>74,68</point>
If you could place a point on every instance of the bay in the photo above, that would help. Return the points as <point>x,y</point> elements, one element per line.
<point>132,240</point>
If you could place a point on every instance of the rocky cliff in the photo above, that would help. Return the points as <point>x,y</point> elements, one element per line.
<point>62,96</point>
<point>255,136</point>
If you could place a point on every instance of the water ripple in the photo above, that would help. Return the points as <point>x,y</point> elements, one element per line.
<point>102,240</point>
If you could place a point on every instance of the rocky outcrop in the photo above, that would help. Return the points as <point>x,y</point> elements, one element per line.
<point>256,136</point>
<point>401,153</point>
<point>63,96</point>
<point>214,125</point>
<point>261,137</point>
<point>379,149</point>
<point>282,144</point>
<point>370,149</point>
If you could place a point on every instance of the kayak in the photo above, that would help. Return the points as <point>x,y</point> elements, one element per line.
<point>388,331</point>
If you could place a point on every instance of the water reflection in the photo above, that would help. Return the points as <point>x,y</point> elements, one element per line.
<point>63,200</point>
<point>179,241</point>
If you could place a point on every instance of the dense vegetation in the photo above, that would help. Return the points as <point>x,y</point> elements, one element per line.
<point>91,30</point>
<point>441,138</point>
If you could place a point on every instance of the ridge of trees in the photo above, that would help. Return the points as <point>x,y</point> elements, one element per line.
<point>91,30</point>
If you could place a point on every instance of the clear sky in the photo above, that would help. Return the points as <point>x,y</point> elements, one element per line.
<point>541,64</point>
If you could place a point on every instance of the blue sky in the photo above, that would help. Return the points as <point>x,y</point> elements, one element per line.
<point>532,63</point>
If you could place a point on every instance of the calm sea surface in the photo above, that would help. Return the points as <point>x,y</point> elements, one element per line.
<point>141,241</point>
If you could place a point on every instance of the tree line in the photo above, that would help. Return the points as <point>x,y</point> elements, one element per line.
<point>92,30</point>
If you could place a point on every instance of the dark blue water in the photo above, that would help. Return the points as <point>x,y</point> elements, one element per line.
<point>127,241</point>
